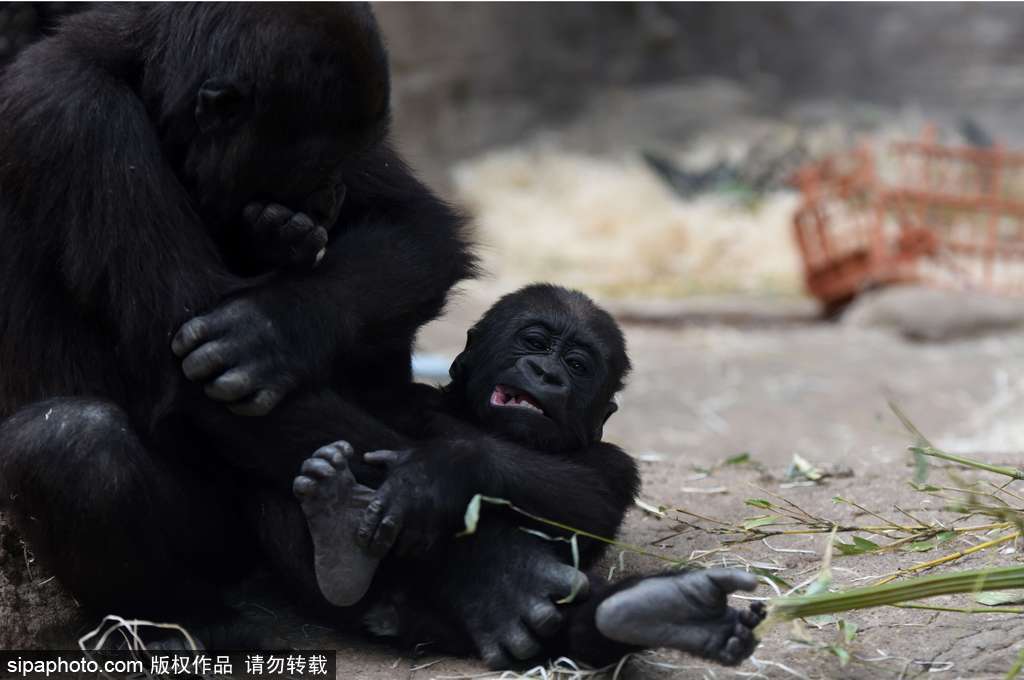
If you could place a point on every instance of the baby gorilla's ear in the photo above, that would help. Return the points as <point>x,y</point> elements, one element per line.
<point>458,369</point>
<point>611,408</point>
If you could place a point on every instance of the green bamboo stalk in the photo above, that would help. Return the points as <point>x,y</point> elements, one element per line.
<point>1012,472</point>
<point>919,588</point>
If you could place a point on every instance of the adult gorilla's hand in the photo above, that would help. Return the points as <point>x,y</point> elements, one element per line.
<point>506,597</point>
<point>240,355</point>
<point>282,237</point>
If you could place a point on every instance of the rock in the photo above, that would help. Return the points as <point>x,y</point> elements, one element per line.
<point>932,315</point>
<point>35,611</point>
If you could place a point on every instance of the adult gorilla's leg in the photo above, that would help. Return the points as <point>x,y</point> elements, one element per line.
<point>308,487</point>
<point>125,531</point>
<point>274,447</point>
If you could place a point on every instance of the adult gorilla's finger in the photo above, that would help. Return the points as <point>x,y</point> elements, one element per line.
<point>209,360</point>
<point>260,405</point>
<point>388,458</point>
<point>520,643</point>
<point>544,618</point>
<point>564,580</point>
<point>729,580</point>
<point>234,385</point>
<point>266,220</point>
<point>305,251</point>
<point>297,228</point>
<point>192,334</point>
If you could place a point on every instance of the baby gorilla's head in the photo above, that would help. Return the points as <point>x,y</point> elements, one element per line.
<point>542,367</point>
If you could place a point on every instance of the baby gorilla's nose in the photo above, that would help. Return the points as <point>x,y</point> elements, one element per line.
<point>549,374</point>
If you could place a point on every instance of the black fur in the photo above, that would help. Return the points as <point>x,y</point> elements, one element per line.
<point>552,465</point>
<point>135,143</point>
<point>132,141</point>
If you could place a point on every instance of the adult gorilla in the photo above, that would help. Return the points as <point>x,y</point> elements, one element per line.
<point>145,156</point>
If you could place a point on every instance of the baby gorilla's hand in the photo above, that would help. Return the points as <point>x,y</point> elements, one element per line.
<point>412,509</point>
<point>282,237</point>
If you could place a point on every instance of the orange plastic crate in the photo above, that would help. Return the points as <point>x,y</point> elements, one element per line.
<point>944,216</point>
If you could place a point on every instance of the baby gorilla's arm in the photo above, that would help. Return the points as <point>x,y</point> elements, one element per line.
<point>423,501</point>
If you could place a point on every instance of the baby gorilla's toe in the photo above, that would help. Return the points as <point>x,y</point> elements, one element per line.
<point>753,616</point>
<point>318,468</point>
<point>738,646</point>
<point>337,453</point>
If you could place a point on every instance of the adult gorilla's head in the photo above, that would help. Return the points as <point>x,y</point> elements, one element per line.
<point>542,367</point>
<point>265,102</point>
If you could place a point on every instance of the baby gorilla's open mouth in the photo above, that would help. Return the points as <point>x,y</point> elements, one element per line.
<point>504,396</point>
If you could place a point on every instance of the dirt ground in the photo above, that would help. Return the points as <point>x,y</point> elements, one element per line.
<point>773,384</point>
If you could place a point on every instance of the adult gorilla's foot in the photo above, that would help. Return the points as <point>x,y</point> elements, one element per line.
<point>333,502</point>
<point>685,611</point>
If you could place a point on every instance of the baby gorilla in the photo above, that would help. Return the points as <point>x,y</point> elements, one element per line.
<point>538,378</point>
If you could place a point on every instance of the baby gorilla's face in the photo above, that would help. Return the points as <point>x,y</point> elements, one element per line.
<point>538,370</point>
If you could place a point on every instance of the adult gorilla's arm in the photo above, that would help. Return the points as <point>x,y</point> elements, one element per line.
<point>396,252</point>
<point>97,232</point>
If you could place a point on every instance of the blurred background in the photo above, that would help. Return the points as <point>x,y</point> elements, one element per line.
<point>646,149</point>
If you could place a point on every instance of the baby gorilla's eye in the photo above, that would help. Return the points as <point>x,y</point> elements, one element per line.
<point>577,365</point>
<point>536,343</point>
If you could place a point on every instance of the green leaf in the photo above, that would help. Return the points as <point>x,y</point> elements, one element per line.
<point>801,467</point>
<point>921,546</point>
<point>927,544</point>
<point>576,563</point>
<point>996,598</point>
<point>759,503</point>
<point>841,654</point>
<point>472,516</point>
<point>738,459</point>
<point>755,522</point>
<point>848,630</point>
<point>859,546</point>
<point>921,468</point>
<point>771,576</point>
<point>821,584</point>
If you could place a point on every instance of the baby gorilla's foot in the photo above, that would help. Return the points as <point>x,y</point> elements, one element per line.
<point>334,503</point>
<point>686,611</point>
